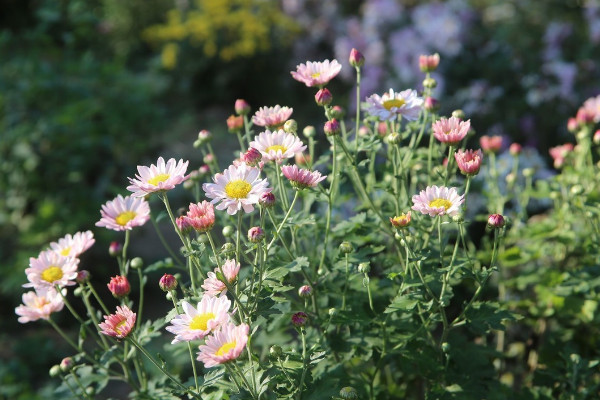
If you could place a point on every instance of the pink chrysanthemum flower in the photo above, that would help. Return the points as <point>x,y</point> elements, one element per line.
<point>224,345</point>
<point>302,178</point>
<point>201,216</point>
<point>124,213</point>
<point>316,73</point>
<point>73,246</point>
<point>39,305</point>
<point>469,161</point>
<point>438,201</point>
<point>451,131</point>
<point>272,116</point>
<point>196,323</point>
<point>119,324</point>
<point>238,187</point>
<point>213,286</point>
<point>158,178</point>
<point>277,145</point>
<point>50,269</point>
<point>560,153</point>
<point>394,105</point>
<point>491,144</point>
<point>119,286</point>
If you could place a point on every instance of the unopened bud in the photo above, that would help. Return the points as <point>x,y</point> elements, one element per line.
<point>256,234</point>
<point>66,364</point>
<point>55,371</point>
<point>299,319</point>
<point>309,131</point>
<point>115,249</point>
<point>337,112</point>
<point>460,114</point>
<point>228,231</point>
<point>429,63</point>
<point>208,158</point>
<point>241,107</point>
<point>137,263</point>
<point>77,292</point>
<point>431,104</point>
<point>305,291</point>
<point>515,149</point>
<point>394,138</point>
<point>346,247</point>
<point>228,248</point>
<point>356,58</point>
<point>364,268</point>
<point>429,83</point>
<point>167,283</point>
<point>119,286</point>
<point>510,178</point>
<point>204,136</point>
<point>323,97</point>
<point>276,351</point>
<point>290,126</point>
<point>496,221</point>
<point>332,127</point>
<point>348,393</point>
<point>267,200</point>
<point>527,172</point>
<point>83,276</point>
<point>332,311</point>
<point>235,124</point>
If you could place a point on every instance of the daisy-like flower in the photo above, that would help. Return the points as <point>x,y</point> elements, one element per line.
<point>50,269</point>
<point>196,323</point>
<point>158,178</point>
<point>213,286</point>
<point>316,73</point>
<point>469,161</point>
<point>201,216</point>
<point>278,145</point>
<point>438,201</point>
<point>124,213</point>
<point>39,305</point>
<point>224,345</point>
<point>119,324</point>
<point>272,116</point>
<point>394,105</point>
<point>73,246</point>
<point>451,131</point>
<point>302,178</point>
<point>238,187</point>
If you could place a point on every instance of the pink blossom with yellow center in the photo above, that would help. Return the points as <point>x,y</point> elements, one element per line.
<point>73,246</point>
<point>39,305</point>
<point>226,344</point>
<point>158,178</point>
<point>317,73</point>
<point>120,324</point>
<point>469,161</point>
<point>124,213</point>
<point>197,322</point>
<point>436,200</point>
<point>451,131</point>
<point>272,117</point>
<point>50,269</point>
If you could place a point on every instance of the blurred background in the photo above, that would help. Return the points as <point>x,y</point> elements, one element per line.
<point>91,88</point>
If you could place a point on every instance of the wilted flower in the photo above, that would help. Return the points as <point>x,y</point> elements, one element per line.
<point>272,117</point>
<point>196,323</point>
<point>157,178</point>
<point>302,178</point>
<point>224,345</point>
<point>451,131</point>
<point>394,105</point>
<point>119,324</point>
<point>437,201</point>
<point>315,73</point>
<point>73,246</point>
<point>38,305</point>
<point>468,161</point>
<point>51,269</point>
<point>124,213</point>
<point>119,286</point>
<point>167,282</point>
<point>491,144</point>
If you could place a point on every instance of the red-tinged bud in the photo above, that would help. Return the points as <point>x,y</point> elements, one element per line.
<point>235,124</point>
<point>496,221</point>
<point>305,291</point>
<point>332,127</point>
<point>83,276</point>
<point>429,63</point>
<point>572,124</point>
<point>242,107</point>
<point>299,319</point>
<point>204,170</point>
<point>119,286</point>
<point>356,58</point>
<point>204,136</point>
<point>267,200</point>
<point>323,97</point>
<point>431,104</point>
<point>491,144</point>
<point>515,149</point>
<point>167,283</point>
<point>252,157</point>
<point>67,364</point>
<point>115,249</point>
<point>401,221</point>
<point>256,234</point>
<point>337,112</point>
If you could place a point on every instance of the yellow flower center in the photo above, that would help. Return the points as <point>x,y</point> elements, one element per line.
<point>158,178</point>
<point>315,75</point>
<point>201,321</point>
<point>388,104</point>
<point>40,302</point>
<point>66,251</point>
<point>226,348</point>
<point>238,189</point>
<point>126,216</point>
<point>437,203</point>
<point>276,148</point>
<point>52,274</point>
<point>119,327</point>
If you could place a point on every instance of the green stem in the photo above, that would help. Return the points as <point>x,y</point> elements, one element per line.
<point>98,299</point>
<point>305,364</point>
<point>345,284</point>
<point>449,164</point>
<point>237,238</point>
<point>141,305</point>
<point>283,221</point>
<point>179,311</point>
<point>78,382</point>
<point>357,114</point>
<point>282,194</point>
<point>164,242</point>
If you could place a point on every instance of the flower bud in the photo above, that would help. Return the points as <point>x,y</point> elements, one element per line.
<point>356,58</point>
<point>337,112</point>
<point>510,178</point>
<point>431,104</point>
<point>119,286</point>
<point>572,124</point>
<point>83,276</point>
<point>460,114</point>
<point>309,131</point>
<point>167,283</point>
<point>90,391</point>
<point>267,200</point>
<point>429,63</point>
<point>204,170</point>
<point>77,292</point>
<point>515,149</point>
<point>299,319</point>
<point>527,172</point>
<point>394,138</point>
<point>364,268</point>
<point>332,311</point>
<point>228,248</point>
<point>115,249</point>
<point>496,221</point>
<point>208,158</point>
<point>458,218</point>
<point>227,231</point>
<point>252,157</point>
<point>276,351</point>
<point>256,234</point>
<point>446,347</point>
<point>346,247</point>
<point>290,126</point>
<point>235,124</point>
<point>491,144</point>
<point>305,291</point>
<point>332,127</point>
<point>323,97</point>
<point>241,107</point>
<point>348,393</point>
<point>66,364</point>
<point>204,136</point>
<point>55,371</point>
<point>401,221</point>
<point>137,263</point>
<point>363,131</point>
<point>197,143</point>
<point>184,224</point>
<point>429,83</point>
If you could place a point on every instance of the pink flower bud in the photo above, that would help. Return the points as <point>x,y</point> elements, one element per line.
<point>515,149</point>
<point>468,161</point>
<point>572,124</point>
<point>496,221</point>
<point>208,158</point>
<point>299,319</point>
<point>267,200</point>
<point>332,127</point>
<point>115,249</point>
<point>356,59</point>
<point>66,364</point>
<point>83,276</point>
<point>491,144</point>
<point>337,112</point>
<point>382,129</point>
<point>235,124</point>
<point>252,157</point>
<point>167,283</point>
<point>363,131</point>
<point>584,116</point>
<point>119,286</point>
<point>323,97</point>
<point>242,107</point>
<point>429,63</point>
<point>204,170</point>
<point>204,136</point>
<point>401,221</point>
<point>431,104</point>
<point>305,291</point>
<point>256,234</point>
<point>184,224</point>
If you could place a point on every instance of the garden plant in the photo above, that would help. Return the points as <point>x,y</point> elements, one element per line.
<point>385,253</point>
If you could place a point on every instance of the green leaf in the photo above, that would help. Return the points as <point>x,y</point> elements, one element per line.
<point>401,303</point>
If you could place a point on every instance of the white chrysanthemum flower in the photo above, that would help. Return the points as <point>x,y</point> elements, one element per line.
<point>124,213</point>
<point>277,145</point>
<point>438,201</point>
<point>157,178</point>
<point>73,246</point>
<point>238,187</point>
<point>196,323</point>
<point>50,269</point>
<point>394,105</point>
